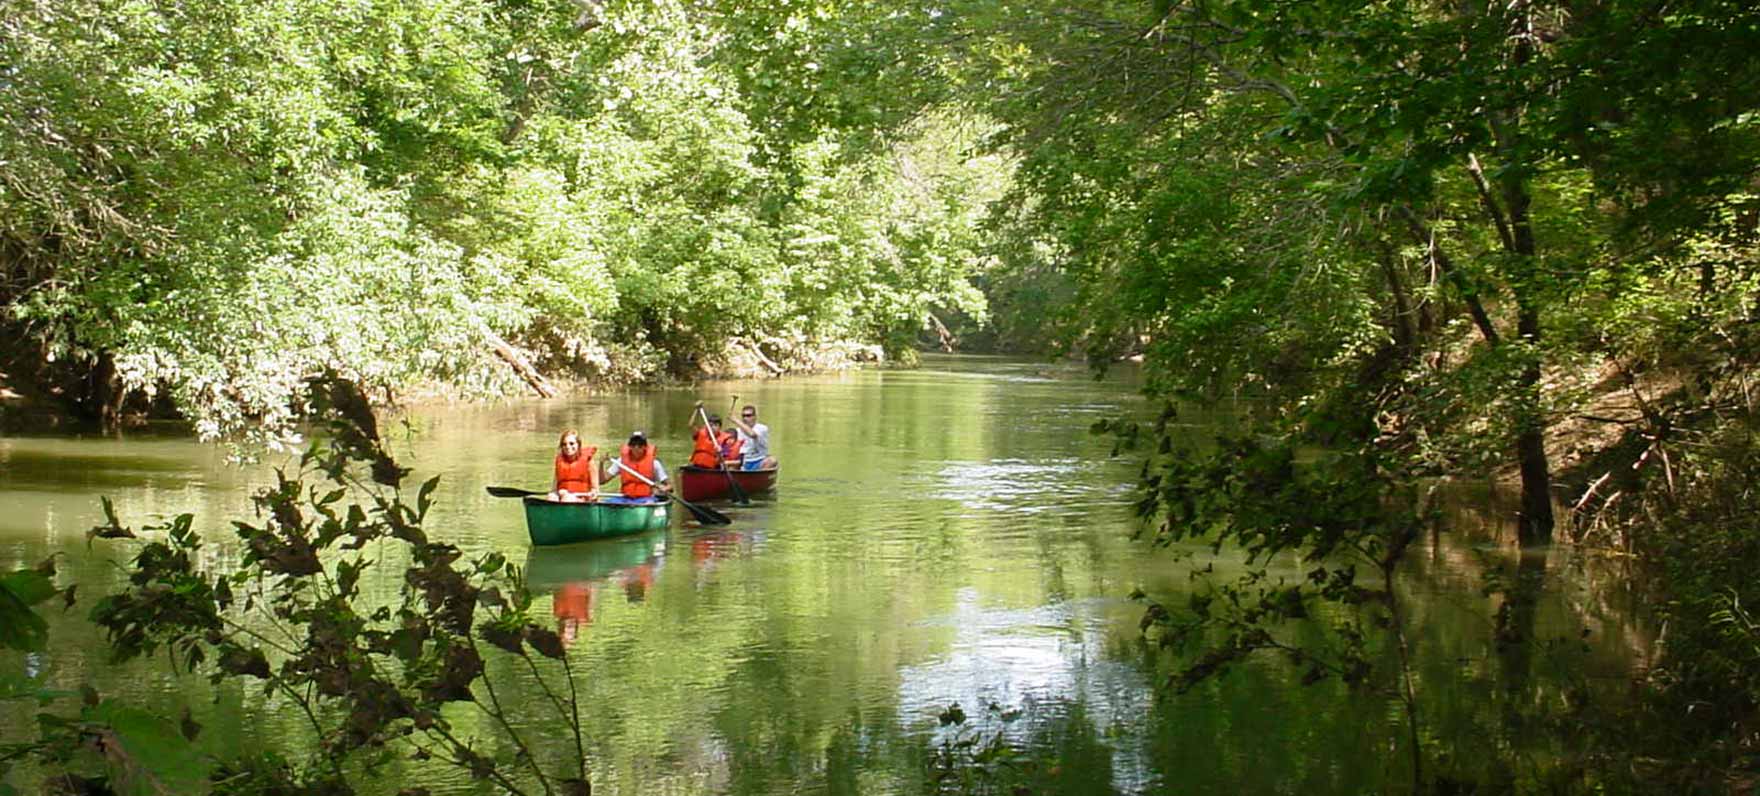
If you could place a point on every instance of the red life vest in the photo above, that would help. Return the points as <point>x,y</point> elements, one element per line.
<point>576,476</point>
<point>633,487</point>
<point>704,454</point>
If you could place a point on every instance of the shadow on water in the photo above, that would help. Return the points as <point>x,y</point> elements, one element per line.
<point>61,471</point>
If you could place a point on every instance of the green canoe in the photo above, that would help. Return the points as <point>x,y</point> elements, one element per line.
<point>566,523</point>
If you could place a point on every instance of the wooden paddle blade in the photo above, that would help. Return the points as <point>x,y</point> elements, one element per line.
<point>739,495</point>
<point>511,492</point>
<point>704,514</point>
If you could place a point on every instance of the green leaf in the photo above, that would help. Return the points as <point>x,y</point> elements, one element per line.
<point>20,627</point>
<point>29,586</point>
<point>147,754</point>
<point>424,498</point>
<point>240,661</point>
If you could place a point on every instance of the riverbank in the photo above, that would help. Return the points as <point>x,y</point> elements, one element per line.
<point>27,404</point>
<point>24,407</point>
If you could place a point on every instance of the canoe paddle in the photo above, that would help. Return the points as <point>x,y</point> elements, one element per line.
<point>739,495</point>
<point>513,491</point>
<point>704,514</point>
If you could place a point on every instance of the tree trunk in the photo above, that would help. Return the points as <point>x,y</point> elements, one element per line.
<point>945,337</point>
<point>519,364</point>
<point>1536,520</point>
<point>1405,334</point>
<point>1516,231</point>
<point>775,369</point>
<point>105,394</point>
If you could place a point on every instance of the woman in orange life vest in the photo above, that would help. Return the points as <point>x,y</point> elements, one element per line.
<point>576,480</point>
<point>639,456</point>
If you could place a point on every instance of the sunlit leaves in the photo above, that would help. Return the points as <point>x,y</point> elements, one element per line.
<point>224,198</point>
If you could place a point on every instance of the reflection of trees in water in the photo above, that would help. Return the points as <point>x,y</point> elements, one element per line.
<point>1550,591</point>
<point>1511,679</point>
<point>1061,751</point>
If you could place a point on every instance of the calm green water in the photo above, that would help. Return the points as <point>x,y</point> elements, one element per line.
<point>939,536</point>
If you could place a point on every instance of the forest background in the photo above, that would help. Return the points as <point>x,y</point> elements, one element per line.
<point>1442,239</point>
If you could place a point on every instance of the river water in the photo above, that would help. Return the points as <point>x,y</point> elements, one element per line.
<point>942,536</point>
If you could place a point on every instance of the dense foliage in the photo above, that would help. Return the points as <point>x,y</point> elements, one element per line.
<point>1429,239</point>
<point>210,202</point>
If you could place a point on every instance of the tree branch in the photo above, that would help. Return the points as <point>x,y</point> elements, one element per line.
<point>1490,202</point>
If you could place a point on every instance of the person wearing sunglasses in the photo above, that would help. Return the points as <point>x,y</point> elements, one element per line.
<point>576,478</point>
<point>754,440</point>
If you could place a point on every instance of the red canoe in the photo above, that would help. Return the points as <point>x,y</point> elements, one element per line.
<point>699,483</point>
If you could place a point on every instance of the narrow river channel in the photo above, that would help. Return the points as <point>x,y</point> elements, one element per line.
<point>949,535</point>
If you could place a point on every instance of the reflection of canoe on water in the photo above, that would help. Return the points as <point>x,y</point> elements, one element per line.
<point>551,567</point>
<point>703,483</point>
<point>552,523</point>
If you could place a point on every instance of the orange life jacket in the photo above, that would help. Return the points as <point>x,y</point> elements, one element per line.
<point>576,476</point>
<point>633,487</point>
<point>730,445</point>
<point>705,453</point>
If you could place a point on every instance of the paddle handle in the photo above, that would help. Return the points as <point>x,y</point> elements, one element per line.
<point>714,441</point>
<point>739,495</point>
<point>513,492</point>
<point>639,476</point>
<point>704,514</point>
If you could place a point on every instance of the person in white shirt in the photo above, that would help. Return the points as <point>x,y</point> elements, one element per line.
<point>640,472</point>
<point>754,440</point>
